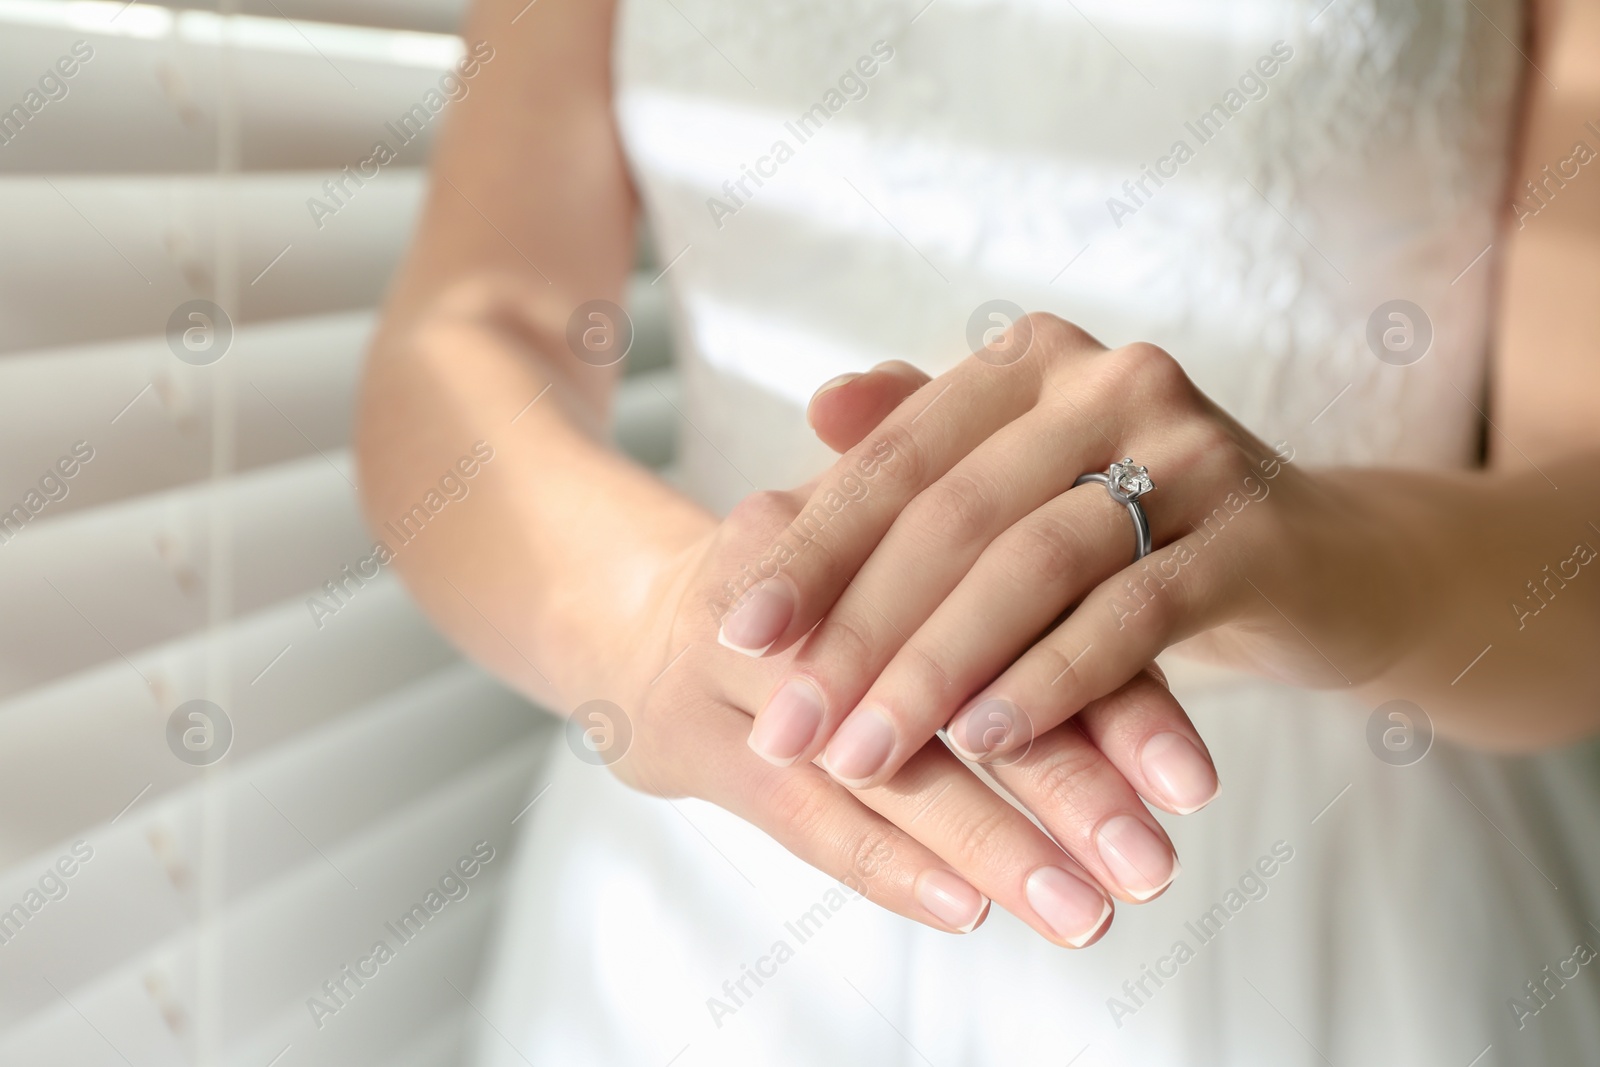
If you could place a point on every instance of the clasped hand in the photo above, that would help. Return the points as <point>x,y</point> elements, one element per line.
<point>944,577</point>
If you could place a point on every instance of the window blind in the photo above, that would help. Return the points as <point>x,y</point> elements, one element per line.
<point>159,903</point>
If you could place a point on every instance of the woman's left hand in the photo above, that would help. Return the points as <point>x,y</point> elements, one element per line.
<point>940,593</point>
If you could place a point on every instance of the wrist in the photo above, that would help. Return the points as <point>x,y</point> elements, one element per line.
<point>1403,529</point>
<point>650,628</point>
<point>1370,552</point>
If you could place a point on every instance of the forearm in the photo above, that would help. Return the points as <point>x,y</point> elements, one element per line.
<point>1503,572</point>
<point>539,572</point>
<point>1508,581</point>
<point>543,572</point>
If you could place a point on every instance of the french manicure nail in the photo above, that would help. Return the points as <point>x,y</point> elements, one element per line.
<point>827,387</point>
<point>861,746</point>
<point>759,619</point>
<point>834,383</point>
<point>1071,907</point>
<point>951,900</point>
<point>1176,769</point>
<point>786,726</point>
<point>1142,864</point>
<point>982,728</point>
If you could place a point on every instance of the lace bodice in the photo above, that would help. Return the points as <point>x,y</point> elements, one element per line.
<point>839,182</point>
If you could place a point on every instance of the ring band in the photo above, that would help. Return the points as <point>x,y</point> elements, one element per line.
<point>1127,482</point>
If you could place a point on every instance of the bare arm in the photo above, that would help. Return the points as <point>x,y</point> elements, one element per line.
<point>1508,568</point>
<point>530,213</point>
<point>1546,386</point>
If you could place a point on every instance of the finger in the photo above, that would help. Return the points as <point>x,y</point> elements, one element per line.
<point>1092,811</point>
<point>1022,581</point>
<point>848,408</point>
<point>994,846</point>
<point>822,823</point>
<point>860,497</point>
<point>1146,735</point>
<point>944,807</point>
<point>1121,626</point>
<point>898,666</point>
<point>926,553</point>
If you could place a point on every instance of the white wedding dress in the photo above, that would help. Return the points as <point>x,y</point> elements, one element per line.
<point>1416,902</point>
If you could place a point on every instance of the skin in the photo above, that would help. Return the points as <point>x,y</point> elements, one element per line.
<point>575,575</point>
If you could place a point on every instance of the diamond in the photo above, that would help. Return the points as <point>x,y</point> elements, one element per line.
<point>1129,479</point>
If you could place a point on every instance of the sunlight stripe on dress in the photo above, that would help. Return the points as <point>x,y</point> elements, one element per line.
<point>779,354</point>
<point>852,180</point>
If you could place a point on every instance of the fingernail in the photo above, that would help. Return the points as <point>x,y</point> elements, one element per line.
<point>1176,769</point>
<point>951,900</point>
<point>834,383</point>
<point>1071,907</point>
<point>787,724</point>
<point>861,746</point>
<point>982,728</point>
<point>759,619</point>
<point>1140,862</point>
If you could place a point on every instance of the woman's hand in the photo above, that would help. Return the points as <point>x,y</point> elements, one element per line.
<point>934,842</point>
<point>936,594</point>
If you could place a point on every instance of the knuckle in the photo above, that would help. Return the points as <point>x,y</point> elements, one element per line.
<point>1066,777</point>
<point>1041,321</point>
<point>1163,611</point>
<point>1044,331</point>
<point>870,854</point>
<point>764,511</point>
<point>1158,590</point>
<point>954,511</point>
<point>845,642</point>
<point>979,835</point>
<point>802,803</point>
<point>900,462</point>
<point>1056,332</point>
<point>1054,664</point>
<point>1056,340</point>
<point>1039,547</point>
<point>922,671</point>
<point>1147,369</point>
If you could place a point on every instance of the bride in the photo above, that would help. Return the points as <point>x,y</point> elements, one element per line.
<point>870,710</point>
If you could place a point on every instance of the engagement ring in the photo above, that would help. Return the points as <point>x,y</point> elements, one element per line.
<point>1127,481</point>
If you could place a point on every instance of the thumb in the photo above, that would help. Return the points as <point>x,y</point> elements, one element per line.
<point>846,409</point>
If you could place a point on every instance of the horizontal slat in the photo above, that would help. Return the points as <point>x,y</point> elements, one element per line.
<point>166,228</point>
<point>291,96</point>
<point>330,805</point>
<point>94,741</point>
<point>145,245</point>
<point>280,941</point>
<point>116,580</point>
<point>397,1010</point>
<point>435,16</point>
<point>404,856</point>
<point>140,574</point>
<point>151,418</point>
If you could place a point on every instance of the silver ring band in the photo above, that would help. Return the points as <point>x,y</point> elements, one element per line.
<point>1126,482</point>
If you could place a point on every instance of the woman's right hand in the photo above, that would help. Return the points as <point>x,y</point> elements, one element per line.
<point>936,843</point>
